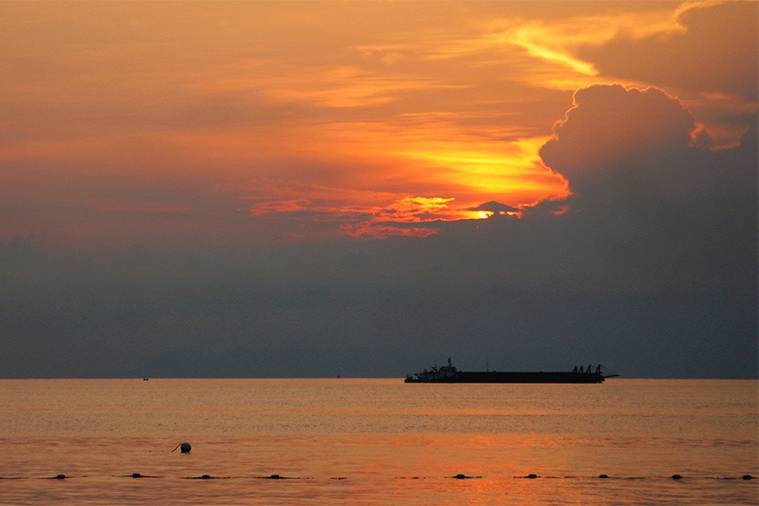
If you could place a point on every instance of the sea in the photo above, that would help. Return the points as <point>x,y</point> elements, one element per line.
<point>377,442</point>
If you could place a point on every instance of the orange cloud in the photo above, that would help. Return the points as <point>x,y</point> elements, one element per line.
<point>257,113</point>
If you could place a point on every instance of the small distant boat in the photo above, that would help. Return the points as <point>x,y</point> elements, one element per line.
<point>145,379</point>
<point>449,374</point>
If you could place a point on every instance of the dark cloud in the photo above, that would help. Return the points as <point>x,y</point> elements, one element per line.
<point>634,151</point>
<point>665,217</point>
<point>609,128</point>
<point>652,272</point>
<point>494,207</point>
<point>716,51</point>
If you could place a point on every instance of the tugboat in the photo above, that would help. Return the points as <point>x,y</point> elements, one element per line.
<point>449,374</point>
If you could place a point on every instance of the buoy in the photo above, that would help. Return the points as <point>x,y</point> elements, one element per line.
<point>201,477</point>
<point>676,477</point>
<point>532,476</point>
<point>746,477</point>
<point>459,476</point>
<point>603,476</point>
<point>184,447</point>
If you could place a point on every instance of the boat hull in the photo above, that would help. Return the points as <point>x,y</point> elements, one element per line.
<point>509,377</point>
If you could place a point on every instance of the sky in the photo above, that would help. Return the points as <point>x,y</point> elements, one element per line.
<point>367,188</point>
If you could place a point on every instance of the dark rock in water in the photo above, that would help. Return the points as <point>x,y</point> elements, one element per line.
<point>603,476</point>
<point>532,476</point>
<point>676,477</point>
<point>747,477</point>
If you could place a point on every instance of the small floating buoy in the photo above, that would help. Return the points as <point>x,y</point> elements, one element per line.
<point>184,447</point>
<point>201,477</point>
<point>531,476</point>
<point>603,476</point>
<point>676,477</point>
<point>459,476</point>
<point>746,477</point>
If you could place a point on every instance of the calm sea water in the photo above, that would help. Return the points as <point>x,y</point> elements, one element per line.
<point>378,441</point>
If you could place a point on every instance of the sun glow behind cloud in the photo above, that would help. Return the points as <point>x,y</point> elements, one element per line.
<point>456,176</point>
<point>371,122</point>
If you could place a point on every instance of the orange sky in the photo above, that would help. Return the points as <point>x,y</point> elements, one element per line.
<point>136,122</point>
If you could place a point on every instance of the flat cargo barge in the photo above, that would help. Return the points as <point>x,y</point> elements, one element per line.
<point>449,374</point>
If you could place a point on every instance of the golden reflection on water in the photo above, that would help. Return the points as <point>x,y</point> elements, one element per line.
<point>377,442</point>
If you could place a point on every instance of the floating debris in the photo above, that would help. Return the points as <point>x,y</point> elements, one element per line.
<point>531,476</point>
<point>746,477</point>
<point>58,477</point>
<point>603,476</point>
<point>677,477</point>
<point>338,478</point>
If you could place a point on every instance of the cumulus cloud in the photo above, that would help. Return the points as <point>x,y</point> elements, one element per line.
<point>716,50</point>
<point>663,214</point>
<point>610,125</point>
<point>644,149</point>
